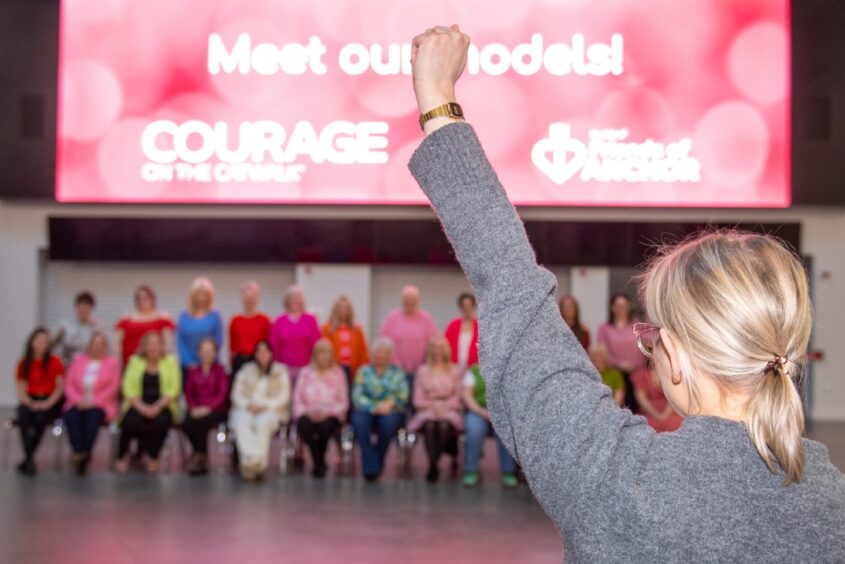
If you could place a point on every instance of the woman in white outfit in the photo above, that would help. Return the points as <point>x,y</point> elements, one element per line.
<point>260,403</point>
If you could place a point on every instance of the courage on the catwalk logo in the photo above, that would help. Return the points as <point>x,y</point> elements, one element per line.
<point>609,156</point>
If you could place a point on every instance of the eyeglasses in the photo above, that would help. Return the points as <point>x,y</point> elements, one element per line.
<point>647,337</point>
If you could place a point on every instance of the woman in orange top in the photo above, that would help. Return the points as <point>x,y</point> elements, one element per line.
<point>347,337</point>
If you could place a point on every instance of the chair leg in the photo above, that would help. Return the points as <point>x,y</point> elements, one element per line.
<point>8,431</point>
<point>410,441</point>
<point>114,443</point>
<point>167,452</point>
<point>221,438</point>
<point>347,450</point>
<point>57,432</point>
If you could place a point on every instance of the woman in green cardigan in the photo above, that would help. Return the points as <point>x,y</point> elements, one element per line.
<point>152,383</point>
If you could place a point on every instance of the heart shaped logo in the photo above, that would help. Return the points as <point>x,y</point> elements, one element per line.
<point>559,157</point>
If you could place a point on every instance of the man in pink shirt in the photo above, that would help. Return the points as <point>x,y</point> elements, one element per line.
<point>410,328</point>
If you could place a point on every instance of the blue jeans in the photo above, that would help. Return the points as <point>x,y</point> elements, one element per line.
<point>372,456</point>
<point>82,427</point>
<point>477,429</point>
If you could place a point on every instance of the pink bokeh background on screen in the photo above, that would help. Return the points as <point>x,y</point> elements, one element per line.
<point>713,72</point>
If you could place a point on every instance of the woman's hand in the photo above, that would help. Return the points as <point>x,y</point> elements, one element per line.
<point>438,58</point>
<point>200,412</point>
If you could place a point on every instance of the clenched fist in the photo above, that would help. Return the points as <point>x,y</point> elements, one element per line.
<point>438,58</point>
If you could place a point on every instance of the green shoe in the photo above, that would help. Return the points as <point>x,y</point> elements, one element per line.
<point>509,481</point>
<point>471,479</point>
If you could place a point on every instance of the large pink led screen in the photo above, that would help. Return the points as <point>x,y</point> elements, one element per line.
<point>577,102</point>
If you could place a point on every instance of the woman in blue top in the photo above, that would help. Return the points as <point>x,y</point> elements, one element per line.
<point>199,321</point>
<point>379,397</point>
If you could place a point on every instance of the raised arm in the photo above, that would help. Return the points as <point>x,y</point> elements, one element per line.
<point>546,400</point>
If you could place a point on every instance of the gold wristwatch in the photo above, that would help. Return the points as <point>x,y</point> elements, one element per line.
<point>451,110</point>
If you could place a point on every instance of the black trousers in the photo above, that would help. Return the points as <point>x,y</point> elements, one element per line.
<point>630,398</point>
<point>441,437</point>
<point>33,423</point>
<point>317,436</point>
<point>197,429</point>
<point>150,433</point>
<point>82,427</point>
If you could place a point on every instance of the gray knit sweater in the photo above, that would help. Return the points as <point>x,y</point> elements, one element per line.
<point>617,491</point>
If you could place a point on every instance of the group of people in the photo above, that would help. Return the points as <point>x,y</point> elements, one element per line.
<point>620,362</point>
<point>291,370</point>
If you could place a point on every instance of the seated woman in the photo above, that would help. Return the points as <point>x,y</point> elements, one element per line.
<point>378,399</point>
<point>91,397</point>
<point>151,387</point>
<point>611,377</point>
<point>437,399</point>
<point>653,403</point>
<point>320,402</point>
<point>39,390</point>
<point>260,403</point>
<point>478,427</point>
<point>206,395</point>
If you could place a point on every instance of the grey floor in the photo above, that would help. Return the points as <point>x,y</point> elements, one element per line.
<point>172,518</point>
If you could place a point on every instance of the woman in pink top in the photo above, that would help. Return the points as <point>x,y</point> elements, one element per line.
<point>294,333</point>
<point>91,397</point>
<point>437,399</point>
<point>653,403</point>
<point>320,403</point>
<point>618,338</point>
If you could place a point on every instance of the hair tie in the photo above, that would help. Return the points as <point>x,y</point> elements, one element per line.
<point>777,361</point>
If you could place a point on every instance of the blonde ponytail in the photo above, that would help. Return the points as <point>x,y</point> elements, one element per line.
<point>775,422</point>
<point>739,306</point>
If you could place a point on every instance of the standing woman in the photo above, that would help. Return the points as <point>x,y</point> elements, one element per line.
<point>39,386</point>
<point>571,313</point>
<point>617,337</point>
<point>437,399</point>
<point>294,333</point>
<point>320,403</point>
<point>737,482</point>
<point>347,337</point>
<point>199,321</point>
<point>151,387</point>
<point>206,396</point>
<point>260,403</point>
<point>247,328</point>
<point>133,326</point>
<point>462,333</point>
<point>91,397</point>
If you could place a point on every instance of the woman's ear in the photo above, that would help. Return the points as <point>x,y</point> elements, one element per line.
<point>672,354</point>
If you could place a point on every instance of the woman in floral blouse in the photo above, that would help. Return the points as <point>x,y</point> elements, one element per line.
<point>378,398</point>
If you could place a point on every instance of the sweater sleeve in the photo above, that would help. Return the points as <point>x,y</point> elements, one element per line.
<point>546,400</point>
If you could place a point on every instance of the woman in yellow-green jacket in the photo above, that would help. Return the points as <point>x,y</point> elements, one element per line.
<point>152,384</point>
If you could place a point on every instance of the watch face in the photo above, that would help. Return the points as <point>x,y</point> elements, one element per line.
<point>456,110</point>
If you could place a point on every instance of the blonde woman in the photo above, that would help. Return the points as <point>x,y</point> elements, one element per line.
<point>152,384</point>
<point>437,400</point>
<point>320,403</point>
<point>197,322</point>
<point>731,321</point>
<point>347,337</point>
<point>260,403</point>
